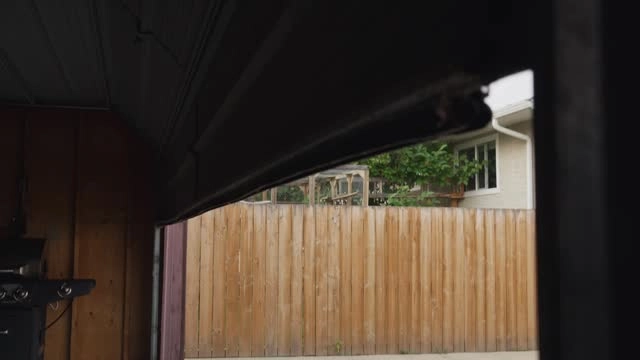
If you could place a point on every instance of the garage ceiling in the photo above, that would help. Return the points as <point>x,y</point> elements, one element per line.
<point>236,96</point>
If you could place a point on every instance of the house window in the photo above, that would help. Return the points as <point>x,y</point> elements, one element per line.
<point>485,152</point>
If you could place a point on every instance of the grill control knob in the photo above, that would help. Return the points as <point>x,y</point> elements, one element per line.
<point>20,294</point>
<point>64,291</point>
<point>3,293</point>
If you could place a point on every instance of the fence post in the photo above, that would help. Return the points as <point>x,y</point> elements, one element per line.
<point>365,188</point>
<point>312,190</point>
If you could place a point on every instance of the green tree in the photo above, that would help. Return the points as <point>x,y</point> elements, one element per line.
<point>421,164</point>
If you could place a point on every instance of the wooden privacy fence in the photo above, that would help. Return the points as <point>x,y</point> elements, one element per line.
<point>267,280</point>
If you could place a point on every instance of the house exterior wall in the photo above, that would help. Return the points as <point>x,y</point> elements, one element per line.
<point>512,174</point>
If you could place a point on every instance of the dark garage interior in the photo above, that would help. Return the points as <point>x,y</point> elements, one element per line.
<point>116,115</point>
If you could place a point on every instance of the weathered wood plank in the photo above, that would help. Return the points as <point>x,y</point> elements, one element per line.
<point>521,280</point>
<point>380,285</point>
<point>414,286</point>
<point>357,285</point>
<point>532,299</point>
<point>218,281</point>
<point>297,270</point>
<point>369,281</point>
<point>246,278</point>
<point>345,279</point>
<point>271,293</point>
<point>459,282</point>
<point>284,280</point>
<point>501,282</point>
<point>448,255</point>
<point>333,281</point>
<point>512,325</point>
<point>404,279</point>
<point>470,281</point>
<point>206,285</point>
<point>490,279</point>
<point>437,281</point>
<point>481,320</point>
<point>322,337</point>
<point>259,270</point>
<point>309,281</point>
<point>232,286</point>
<point>192,291</point>
<point>425,278</point>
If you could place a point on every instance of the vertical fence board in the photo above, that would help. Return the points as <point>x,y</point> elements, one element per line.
<point>218,281</point>
<point>459,281</point>
<point>297,270</point>
<point>271,287</point>
<point>258,327</point>
<point>490,279</point>
<point>404,278</point>
<point>470,280</point>
<point>381,300</point>
<point>425,279</point>
<point>481,322</point>
<point>232,285</point>
<point>392,228</point>
<point>501,282</point>
<point>510,238</point>
<point>448,306</point>
<point>246,278</point>
<point>345,279</point>
<point>333,286</point>
<point>192,290</point>
<point>357,286</point>
<point>532,317</point>
<point>436,281</point>
<point>414,287</point>
<point>370,279</point>
<point>205,311</point>
<point>309,286</point>
<point>284,280</point>
<point>322,340</point>
<point>521,280</point>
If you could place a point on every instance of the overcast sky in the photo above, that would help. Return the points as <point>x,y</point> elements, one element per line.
<point>510,90</point>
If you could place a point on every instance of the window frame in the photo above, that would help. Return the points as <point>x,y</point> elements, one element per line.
<point>473,143</point>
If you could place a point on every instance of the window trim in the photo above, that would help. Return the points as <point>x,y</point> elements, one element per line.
<point>473,143</point>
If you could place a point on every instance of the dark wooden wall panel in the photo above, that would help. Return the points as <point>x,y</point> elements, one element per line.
<point>50,164</point>
<point>100,242</point>
<point>139,261</point>
<point>89,195</point>
<point>10,144</point>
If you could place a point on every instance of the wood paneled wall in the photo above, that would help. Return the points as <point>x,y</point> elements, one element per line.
<point>88,194</point>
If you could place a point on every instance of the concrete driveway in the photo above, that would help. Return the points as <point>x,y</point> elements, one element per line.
<point>511,355</point>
